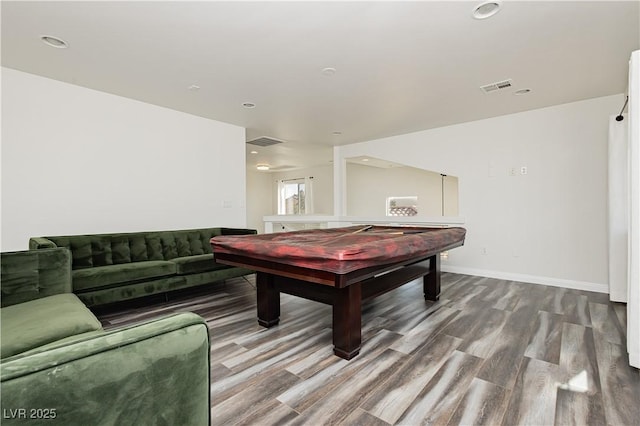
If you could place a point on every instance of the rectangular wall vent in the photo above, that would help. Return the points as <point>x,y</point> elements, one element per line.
<point>264,141</point>
<point>493,87</point>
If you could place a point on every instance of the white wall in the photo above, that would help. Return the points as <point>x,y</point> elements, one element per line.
<point>369,187</point>
<point>548,226</point>
<point>259,198</point>
<point>76,161</point>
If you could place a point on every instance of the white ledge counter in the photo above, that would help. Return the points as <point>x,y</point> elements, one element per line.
<point>285,223</point>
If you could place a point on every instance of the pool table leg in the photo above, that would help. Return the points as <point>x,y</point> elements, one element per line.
<point>268,300</point>
<point>347,321</point>
<point>431,281</point>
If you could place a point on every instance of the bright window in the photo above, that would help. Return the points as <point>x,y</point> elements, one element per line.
<point>295,196</point>
<point>292,197</point>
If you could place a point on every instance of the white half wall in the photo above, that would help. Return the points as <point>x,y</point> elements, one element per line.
<point>79,161</point>
<point>548,225</point>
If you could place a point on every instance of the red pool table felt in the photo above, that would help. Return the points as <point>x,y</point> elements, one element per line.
<point>341,250</point>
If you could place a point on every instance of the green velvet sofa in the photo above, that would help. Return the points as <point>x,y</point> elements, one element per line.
<point>58,366</point>
<point>109,268</point>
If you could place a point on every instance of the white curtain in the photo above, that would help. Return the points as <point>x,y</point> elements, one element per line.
<point>618,208</point>
<point>633,305</point>
<point>282,209</point>
<point>308,195</point>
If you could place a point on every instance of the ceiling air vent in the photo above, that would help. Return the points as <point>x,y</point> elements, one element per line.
<point>264,141</point>
<point>281,168</point>
<point>494,87</point>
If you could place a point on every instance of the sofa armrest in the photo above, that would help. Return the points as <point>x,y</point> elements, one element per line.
<point>237,231</point>
<point>33,274</point>
<point>36,243</point>
<point>151,373</point>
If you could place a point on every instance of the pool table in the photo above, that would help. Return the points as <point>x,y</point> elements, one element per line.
<point>341,267</point>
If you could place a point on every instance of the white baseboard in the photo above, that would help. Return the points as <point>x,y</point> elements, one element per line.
<point>534,279</point>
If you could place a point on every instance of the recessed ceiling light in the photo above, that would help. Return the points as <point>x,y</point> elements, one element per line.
<point>365,159</point>
<point>486,9</point>
<point>328,72</point>
<point>52,41</point>
<point>248,105</point>
<point>262,167</point>
<point>194,87</point>
<point>254,152</point>
<point>336,133</point>
<point>522,92</point>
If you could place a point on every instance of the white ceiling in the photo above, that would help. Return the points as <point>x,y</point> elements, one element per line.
<point>400,66</point>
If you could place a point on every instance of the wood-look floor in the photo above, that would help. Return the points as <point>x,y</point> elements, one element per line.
<point>489,352</point>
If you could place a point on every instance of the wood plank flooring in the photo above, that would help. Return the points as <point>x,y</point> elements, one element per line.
<point>488,352</point>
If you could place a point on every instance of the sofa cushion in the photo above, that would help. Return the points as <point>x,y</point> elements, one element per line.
<point>20,273</point>
<point>102,276</point>
<point>169,247</point>
<point>120,251</point>
<point>182,244</point>
<point>101,252</point>
<point>38,322</point>
<point>81,251</point>
<point>195,243</point>
<point>33,274</point>
<point>138,246</point>
<point>196,264</point>
<point>154,247</point>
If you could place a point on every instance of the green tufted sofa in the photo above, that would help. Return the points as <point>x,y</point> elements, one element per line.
<point>109,268</point>
<point>59,367</point>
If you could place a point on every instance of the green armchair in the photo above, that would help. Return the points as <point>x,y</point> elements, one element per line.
<point>58,365</point>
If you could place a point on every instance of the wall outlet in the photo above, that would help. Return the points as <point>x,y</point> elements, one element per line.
<point>483,251</point>
<point>513,171</point>
<point>523,170</point>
